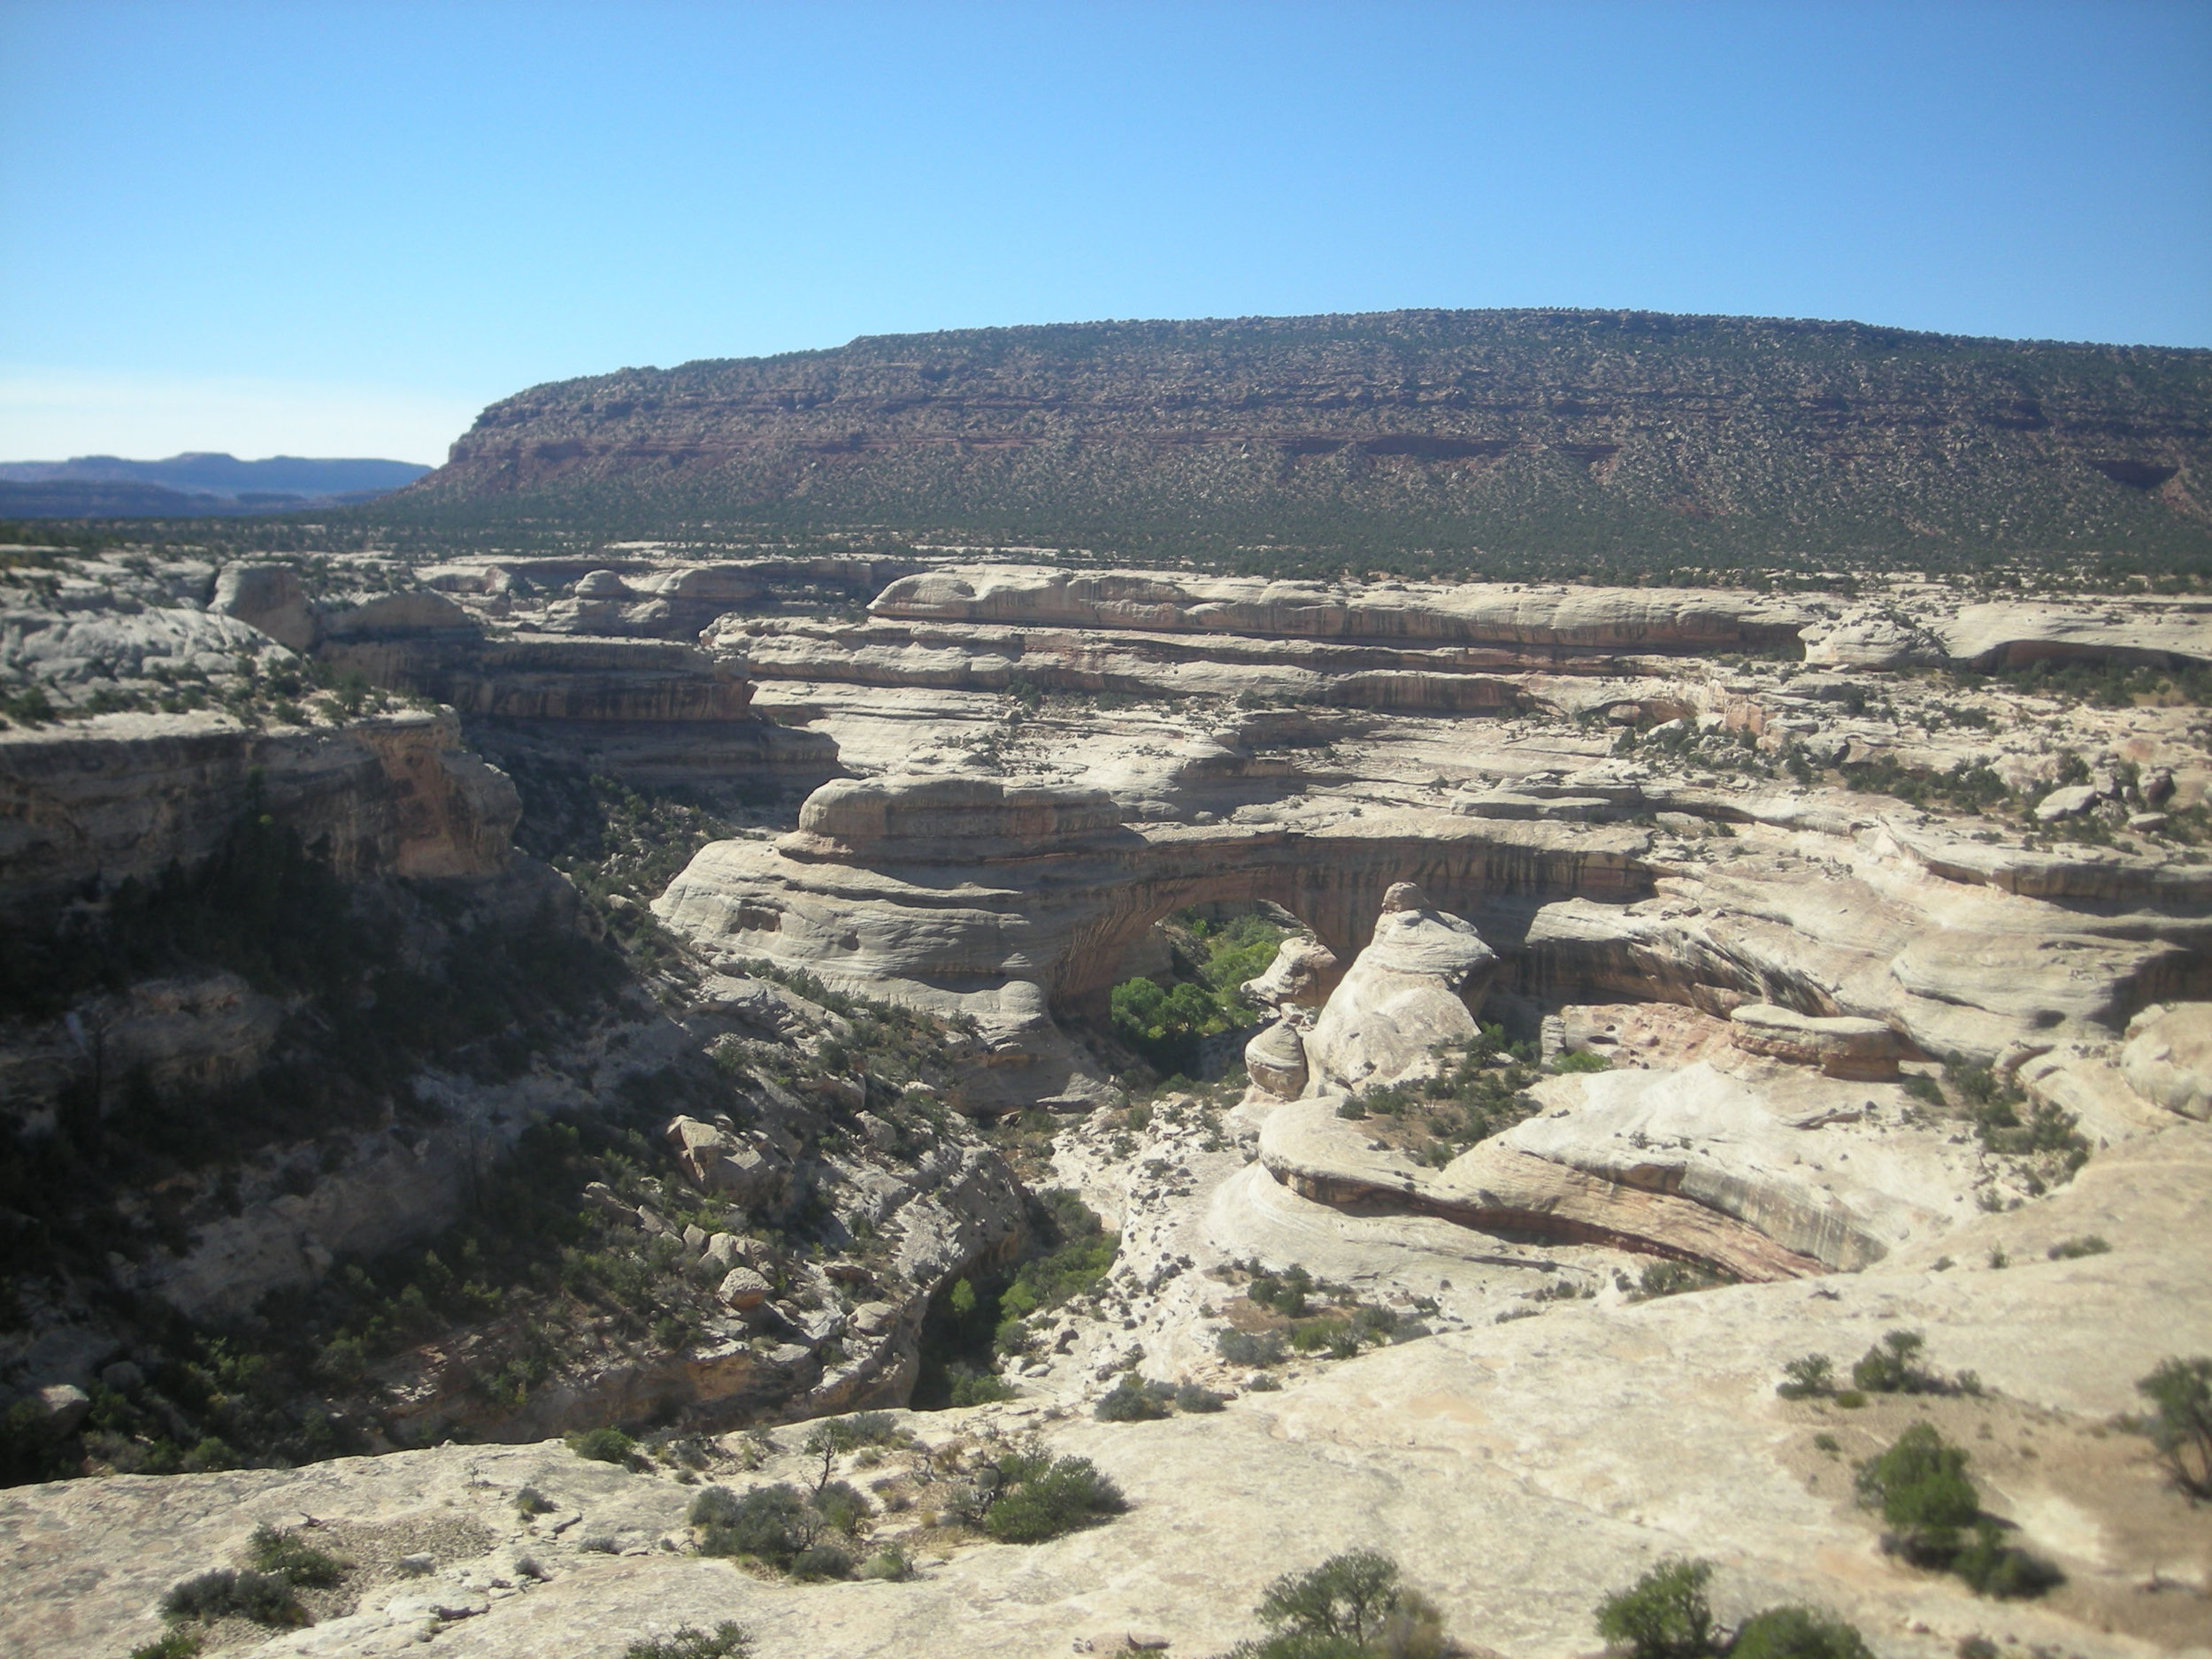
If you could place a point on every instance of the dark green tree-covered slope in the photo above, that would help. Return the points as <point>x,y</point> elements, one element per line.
<point>1495,438</point>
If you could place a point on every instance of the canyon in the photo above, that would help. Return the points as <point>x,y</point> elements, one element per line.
<point>1668,983</point>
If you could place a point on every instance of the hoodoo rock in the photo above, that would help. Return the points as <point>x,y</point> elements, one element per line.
<point>1276,1059</point>
<point>1303,973</point>
<point>1417,984</point>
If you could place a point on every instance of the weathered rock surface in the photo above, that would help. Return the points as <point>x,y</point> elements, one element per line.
<point>128,794</point>
<point>1303,973</point>
<point>1276,1059</point>
<point>2168,1057</point>
<point>1838,1044</point>
<point>1415,985</point>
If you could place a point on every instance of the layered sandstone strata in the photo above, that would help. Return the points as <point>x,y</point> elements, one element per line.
<point>128,795</point>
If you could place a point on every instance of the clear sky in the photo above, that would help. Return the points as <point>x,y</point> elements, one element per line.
<point>324,229</point>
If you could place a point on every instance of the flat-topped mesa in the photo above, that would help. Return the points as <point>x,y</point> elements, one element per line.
<point>948,820</point>
<point>1571,618</point>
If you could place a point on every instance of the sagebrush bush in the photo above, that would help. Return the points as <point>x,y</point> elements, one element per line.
<point>1038,1500</point>
<point>1663,1615</point>
<point>264,1597</point>
<point>605,1446</point>
<point>1797,1632</point>
<point>728,1640</point>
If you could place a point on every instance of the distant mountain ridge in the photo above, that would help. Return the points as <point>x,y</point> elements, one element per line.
<point>183,486</point>
<point>1541,433</point>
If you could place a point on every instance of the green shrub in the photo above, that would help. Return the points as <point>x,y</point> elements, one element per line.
<point>1191,1397</point>
<point>888,1563</point>
<point>1921,1487</point>
<point>2073,1250</point>
<point>1804,1378</point>
<point>1039,1499</point>
<point>1889,1367</point>
<point>1797,1632</point>
<point>1663,1615</point>
<point>264,1597</point>
<point>842,1507</point>
<point>728,1641</point>
<point>1133,1400</point>
<point>298,1562</point>
<point>1351,1604</point>
<point>1581,1060</point>
<point>604,1445</point>
<point>1243,1347</point>
<point>529,1501</point>
<point>1995,1568</point>
<point>981,1388</point>
<point>176,1644</point>
<point>771,1523</point>
<point>2180,1391</point>
<point>822,1560</point>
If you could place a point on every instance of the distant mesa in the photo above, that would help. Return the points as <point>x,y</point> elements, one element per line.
<point>195,485</point>
<point>1289,444</point>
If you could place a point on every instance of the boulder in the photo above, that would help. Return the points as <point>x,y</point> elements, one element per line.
<point>1839,1045</point>
<point>742,1289</point>
<point>722,1162</point>
<point>601,585</point>
<point>2168,1056</point>
<point>1303,973</point>
<point>1417,984</point>
<point>2071,802</point>
<point>61,1408</point>
<point>268,597</point>
<point>1276,1060</point>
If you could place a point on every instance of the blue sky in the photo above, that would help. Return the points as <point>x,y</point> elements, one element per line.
<point>324,229</point>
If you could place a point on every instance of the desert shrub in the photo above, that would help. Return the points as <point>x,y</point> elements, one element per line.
<point>529,1501</point>
<point>1192,1397</point>
<point>2005,1571</point>
<point>2180,1426</point>
<point>1242,1347</point>
<point>1351,1605</point>
<point>604,1445</point>
<point>174,1644</point>
<point>888,1563</point>
<point>1286,1292</point>
<point>842,1507</point>
<point>1803,1378</point>
<point>1663,1615</point>
<point>2073,1250</point>
<point>1133,1400</point>
<point>1797,1632</point>
<point>1921,1487</point>
<point>771,1523</point>
<point>1581,1060</point>
<point>727,1641</point>
<point>264,1597</point>
<point>822,1560</point>
<point>1890,1367</point>
<point>1672,1278</point>
<point>981,1388</point>
<point>1038,1500</point>
<point>291,1558</point>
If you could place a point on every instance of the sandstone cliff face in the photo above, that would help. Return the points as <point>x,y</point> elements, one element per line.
<point>128,795</point>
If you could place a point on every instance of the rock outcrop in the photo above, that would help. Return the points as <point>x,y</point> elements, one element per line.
<point>1417,984</point>
<point>2168,1057</point>
<point>129,793</point>
<point>1839,1046</point>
